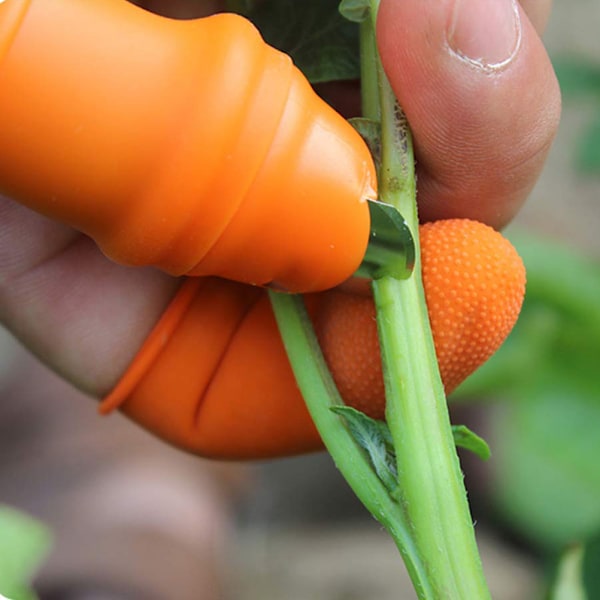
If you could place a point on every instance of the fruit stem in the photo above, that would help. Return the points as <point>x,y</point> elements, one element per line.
<point>430,482</point>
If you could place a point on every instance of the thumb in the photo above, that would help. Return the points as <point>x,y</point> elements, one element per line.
<point>482,99</point>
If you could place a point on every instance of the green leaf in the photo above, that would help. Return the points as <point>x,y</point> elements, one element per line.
<point>24,542</point>
<point>465,438</point>
<point>370,131</point>
<point>391,248</point>
<point>322,43</point>
<point>374,437</point>
<point>355,10</point>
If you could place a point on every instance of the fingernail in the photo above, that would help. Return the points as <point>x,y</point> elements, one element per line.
<point>485,33</point>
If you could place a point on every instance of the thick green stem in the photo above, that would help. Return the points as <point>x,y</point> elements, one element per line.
<point>430,482</point>
<point>431,487</point>
<point>427,514</point>
<point>320,394</point>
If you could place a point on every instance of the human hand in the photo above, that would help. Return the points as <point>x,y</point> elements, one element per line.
<point>481,98</point>
<point>481,136</point>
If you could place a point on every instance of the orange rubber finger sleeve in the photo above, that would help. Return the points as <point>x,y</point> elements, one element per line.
<point>192,146</point>
<point>213,377</point>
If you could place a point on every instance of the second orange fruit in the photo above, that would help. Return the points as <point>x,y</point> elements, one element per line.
<point>474,283</point>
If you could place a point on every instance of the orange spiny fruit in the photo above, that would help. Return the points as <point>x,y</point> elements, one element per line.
<point>474,284</point>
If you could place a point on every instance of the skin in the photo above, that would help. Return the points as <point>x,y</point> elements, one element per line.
<point>477,159</point>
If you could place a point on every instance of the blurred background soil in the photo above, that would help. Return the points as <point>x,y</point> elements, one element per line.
<point>135,519</point>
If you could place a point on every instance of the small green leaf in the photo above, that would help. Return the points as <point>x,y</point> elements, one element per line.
<point>465,438</point>
<point>323,45</point>
<point>24,543</point>
<point>391,248</point>
<point>374,437</point>
<point>355,10</point>
<point>370,131</point>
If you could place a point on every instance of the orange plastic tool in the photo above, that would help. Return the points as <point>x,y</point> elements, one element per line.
<point>188,145</point>
<point>213,377</point>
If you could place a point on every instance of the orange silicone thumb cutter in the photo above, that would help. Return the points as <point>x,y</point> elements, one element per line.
<point>188,145</point>
<point>213,377</point>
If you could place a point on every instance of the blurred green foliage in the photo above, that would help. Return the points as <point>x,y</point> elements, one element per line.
<point>579,80</point>
<point>545,433</point>
<point>24,543</point>
<point>575,574</point>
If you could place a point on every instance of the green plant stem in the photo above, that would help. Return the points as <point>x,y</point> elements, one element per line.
<point>427,514</point>
<point>430,481</point>
<point>369,72</point>
<point>320,394</point>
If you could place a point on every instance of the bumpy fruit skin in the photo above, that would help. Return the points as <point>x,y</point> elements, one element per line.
<point>347,331</point>
<point>474,283</point>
